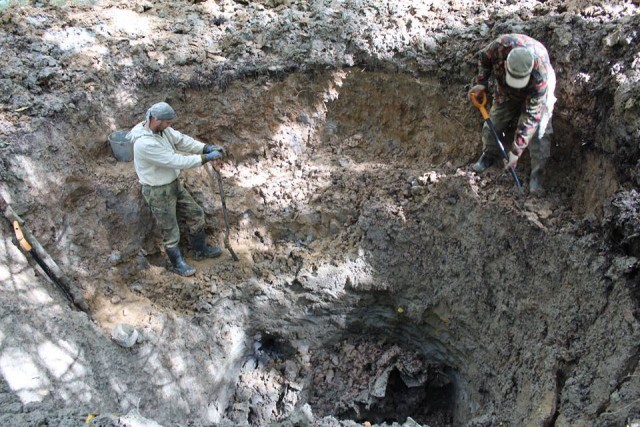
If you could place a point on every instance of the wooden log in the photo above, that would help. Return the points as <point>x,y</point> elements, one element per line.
<point>61,278</point>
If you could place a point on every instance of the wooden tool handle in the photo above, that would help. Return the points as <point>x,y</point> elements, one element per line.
<point>23,242</point>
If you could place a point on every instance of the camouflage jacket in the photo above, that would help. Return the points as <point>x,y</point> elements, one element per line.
<point>537,97</point>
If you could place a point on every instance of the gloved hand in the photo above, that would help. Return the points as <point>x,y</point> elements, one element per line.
<point>477,90</point>
<point>512,162</point>
<point>211,148</point>
<point>214,155</point>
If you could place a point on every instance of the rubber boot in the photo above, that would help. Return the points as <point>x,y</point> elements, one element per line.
<point>177,262</point>
<point>483,163</point>
<point>200,248</point>
<point>535,179</point>
<point>535,185</point>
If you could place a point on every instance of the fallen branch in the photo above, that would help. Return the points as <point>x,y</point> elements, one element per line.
<point>30,244</point>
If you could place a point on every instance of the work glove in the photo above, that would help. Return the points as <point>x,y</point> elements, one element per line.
<point>512,162</point>
<point>213,155</point>
<point>477,90</point>
<point>211,148</point>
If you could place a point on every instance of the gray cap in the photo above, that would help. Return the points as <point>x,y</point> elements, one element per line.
<point>519,67</point>
<point>161,111</point>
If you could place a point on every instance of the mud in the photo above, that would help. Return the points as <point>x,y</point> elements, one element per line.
<point>379,279</point>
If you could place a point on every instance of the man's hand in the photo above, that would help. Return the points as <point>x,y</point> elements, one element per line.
<point>477,90</point>
<point>211,148</point>
<point>213,155</point>
<point>512,162</point>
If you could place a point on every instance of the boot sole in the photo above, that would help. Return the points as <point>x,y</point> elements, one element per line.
<point>200,257</point>
<point>188,273</point>
<point>479,168</point>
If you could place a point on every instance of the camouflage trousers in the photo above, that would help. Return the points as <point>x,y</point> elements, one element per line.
<point>169,201</point>
<point>508,114</point>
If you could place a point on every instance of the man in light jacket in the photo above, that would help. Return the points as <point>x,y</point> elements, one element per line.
<point>158,165</point>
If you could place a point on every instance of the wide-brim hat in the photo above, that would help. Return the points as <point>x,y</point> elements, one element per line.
<point>519,67</point>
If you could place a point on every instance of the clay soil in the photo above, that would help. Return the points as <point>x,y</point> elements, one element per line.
<point>379,279</point>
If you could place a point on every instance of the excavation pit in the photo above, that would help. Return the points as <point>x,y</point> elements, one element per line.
<point>355,215</point>
<point>379,278</point>
<point>388,280</point>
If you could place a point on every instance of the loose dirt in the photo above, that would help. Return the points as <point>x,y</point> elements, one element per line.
<point>379,278</point>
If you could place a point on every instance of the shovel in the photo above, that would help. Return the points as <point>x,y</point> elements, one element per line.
<point>485,116</point>
<point>26,246</point>
<point>211,170</point>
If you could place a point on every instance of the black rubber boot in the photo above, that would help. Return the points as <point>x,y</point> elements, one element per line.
<point>535,184</point>
<point>200,248</point>
<point>535,179</point>
<point>177,262</point>
<point>483,163</point>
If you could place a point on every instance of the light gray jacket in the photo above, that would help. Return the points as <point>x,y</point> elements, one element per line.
<point>155,155</point>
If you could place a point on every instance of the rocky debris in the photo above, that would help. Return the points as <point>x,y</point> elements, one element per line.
<point>375,382</point>
<point>125,335</point>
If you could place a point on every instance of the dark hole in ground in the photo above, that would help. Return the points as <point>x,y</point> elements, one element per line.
<point>369,378</point>
<point>269,349</point>
<point>430,403</point>
<point>275,347</point>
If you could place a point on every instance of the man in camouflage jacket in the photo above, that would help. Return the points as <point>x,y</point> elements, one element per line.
<point>524,94</point>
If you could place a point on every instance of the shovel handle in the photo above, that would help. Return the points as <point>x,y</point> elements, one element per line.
<point>214,172</point>
<point>480,105</point>
<point>23,242</point>
<point>485,115</point>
